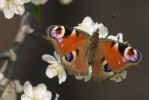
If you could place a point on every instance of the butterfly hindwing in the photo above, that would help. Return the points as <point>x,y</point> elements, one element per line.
<point>101,70</point>
<point>75,62</point>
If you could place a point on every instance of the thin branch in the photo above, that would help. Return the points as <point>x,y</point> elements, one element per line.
<point>12,54</point>
<point>38,36</point>
<point>4,56</point>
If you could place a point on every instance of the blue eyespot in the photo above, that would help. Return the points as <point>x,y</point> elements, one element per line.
<point>137,56</point>
<point>132,55</point>
<point>107,68</point>
<point>51,31</point>
<point>69,57</point>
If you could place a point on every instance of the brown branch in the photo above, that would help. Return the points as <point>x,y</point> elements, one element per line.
<point>11,55</point>
<point>38,36</point>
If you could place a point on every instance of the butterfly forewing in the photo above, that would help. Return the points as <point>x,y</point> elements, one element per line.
<point>66,39</point>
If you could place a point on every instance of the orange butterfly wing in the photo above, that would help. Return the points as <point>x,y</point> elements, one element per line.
<point>113,57</point>
<point>66,39</point>
<point>120,56</point>
<point>71,45</point>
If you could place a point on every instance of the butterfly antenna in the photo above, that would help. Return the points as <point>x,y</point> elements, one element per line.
<point>87,9</point>
<point>109,20</point>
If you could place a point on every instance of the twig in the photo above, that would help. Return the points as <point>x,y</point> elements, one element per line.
<point>12,54</point>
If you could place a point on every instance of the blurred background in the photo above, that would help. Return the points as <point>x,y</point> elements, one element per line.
<point>132,19</point>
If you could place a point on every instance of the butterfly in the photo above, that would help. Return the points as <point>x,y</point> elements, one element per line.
<point>78,50</point>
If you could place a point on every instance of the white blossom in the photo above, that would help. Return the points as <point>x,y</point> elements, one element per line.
<point>55,68</point>
<point>65,2</point>
<point>9,7</point>
<point>39,2</point>
<point>39,92</point>
<point>57,96</point>
<point>90,27</point>
<point>118,77</point>
<point>118,37</point>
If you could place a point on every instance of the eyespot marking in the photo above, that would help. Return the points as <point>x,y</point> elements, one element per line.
<point>107,68</point>
<point>57,32</point>
<point>131,54</point>
<point>72,55</point>
<point>121,48</point>
<point>69,57</point>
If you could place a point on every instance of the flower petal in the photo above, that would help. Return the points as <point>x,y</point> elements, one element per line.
<point>57,96</point>
<point>52,71</point>
<point>18,2</point>
<point>65,2</point>
<point>19,9</point>
<point>28,89</point>
<point>112,37</point>
<point>79,77</point>
<point>118,37</point>
<point>43,1</point>
<point>90,27</point>
<point>8,14</point>
<point>57,56</point>
<point>62,76</point>
<point>103,32</point>
<point>48,95</point>
<point>16,8</point>
<point>48,58</point>
<point>87,21</point>
<point>119,76</point>
<point>88,77</point>
<point>2,3</point>
<point>38,2</point>
<point>25,97</point>
<point>124,74</point>
<point>35,2</point>
<point>40,90</point>
<point>25,1</point>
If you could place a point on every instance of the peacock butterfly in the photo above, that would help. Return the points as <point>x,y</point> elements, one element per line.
<point>79,50</point>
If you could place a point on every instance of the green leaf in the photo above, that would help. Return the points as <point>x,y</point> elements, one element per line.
<point>37,13</point>
<point>118,38</point>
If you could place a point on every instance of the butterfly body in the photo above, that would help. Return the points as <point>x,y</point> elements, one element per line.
<point>79,50</point>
